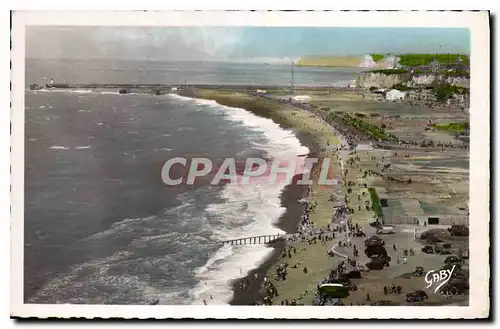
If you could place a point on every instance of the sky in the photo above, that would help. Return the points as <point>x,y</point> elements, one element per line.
<point>236,43</point>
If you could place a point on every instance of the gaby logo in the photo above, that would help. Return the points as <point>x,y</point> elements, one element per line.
<point>177,171</point>
<point>438,277</point>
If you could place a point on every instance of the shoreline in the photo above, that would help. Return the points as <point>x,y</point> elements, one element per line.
<point>310,136</point>
<point>287,222</point>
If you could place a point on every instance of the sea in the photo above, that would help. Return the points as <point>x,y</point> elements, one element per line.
<point>101,227</point>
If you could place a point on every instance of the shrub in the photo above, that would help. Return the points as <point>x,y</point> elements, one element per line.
<point>377,207</point>
<point>445,91</point>
<point>401,87</point>
<point>390,71</point>
<point>377,57</point>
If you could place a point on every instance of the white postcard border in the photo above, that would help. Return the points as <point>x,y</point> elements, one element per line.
<point>478,24</point>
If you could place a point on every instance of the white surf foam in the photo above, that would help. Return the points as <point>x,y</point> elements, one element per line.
<point>58,147</point>
<point>79,91</point>
<point>248,210</point>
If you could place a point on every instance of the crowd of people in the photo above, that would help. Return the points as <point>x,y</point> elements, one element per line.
<point>351,134</point>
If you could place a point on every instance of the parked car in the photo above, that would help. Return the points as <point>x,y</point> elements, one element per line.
<point>376,224</point>
<point>374,241</point>
<point>358,234</point>
<point>416,296</point>
<point>454,288</point>
<point>419,271</point>
<point>421,293</point>
<point>443,248</point>
<point>453,260</point>
<point>385,230</point>
<point>428,250</point>
<point>452,266</point>
<point>413,298</point>
<point>354,274</point>
<point>375,265</point>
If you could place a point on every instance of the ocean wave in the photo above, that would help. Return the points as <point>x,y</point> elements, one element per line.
<point>133,275</point>
<point>135,286</point>
<point>79,91</point>
<point>59,147</point>
<point>215,277</point>
<point>179,97</point>
<point>185,129</point>
<point>120,227</point>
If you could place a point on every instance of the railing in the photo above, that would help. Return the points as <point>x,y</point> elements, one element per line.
<point>261,239</point>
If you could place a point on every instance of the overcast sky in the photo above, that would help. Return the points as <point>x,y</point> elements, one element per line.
<point>233,43</point>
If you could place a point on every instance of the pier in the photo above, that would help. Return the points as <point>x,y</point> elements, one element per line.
<point>261,239</point>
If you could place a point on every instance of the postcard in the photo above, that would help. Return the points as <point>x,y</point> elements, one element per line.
<point>233,164</point>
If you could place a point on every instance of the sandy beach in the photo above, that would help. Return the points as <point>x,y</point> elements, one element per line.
<point>317,135</point>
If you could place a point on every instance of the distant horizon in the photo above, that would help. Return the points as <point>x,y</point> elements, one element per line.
<point>251,60</point>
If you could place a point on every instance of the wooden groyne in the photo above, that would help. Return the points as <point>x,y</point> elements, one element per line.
<point>261,239</point>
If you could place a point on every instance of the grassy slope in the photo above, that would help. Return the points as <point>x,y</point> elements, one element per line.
<point>405,59</point>
<point>454,127</point>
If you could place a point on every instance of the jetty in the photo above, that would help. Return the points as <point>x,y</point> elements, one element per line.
<point>261,239</point>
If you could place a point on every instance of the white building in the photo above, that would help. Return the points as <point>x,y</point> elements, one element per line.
<point>352,84</point>
<point>302,98</point>
<point>175,89</point>
<point>261,91</point>
<point>394,94</point>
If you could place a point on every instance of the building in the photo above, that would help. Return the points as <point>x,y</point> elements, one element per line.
<point>394,94</point>
<point>175,89</point>
<point>301,98</point>
<point>261,91</point>
<point>352,84</point>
